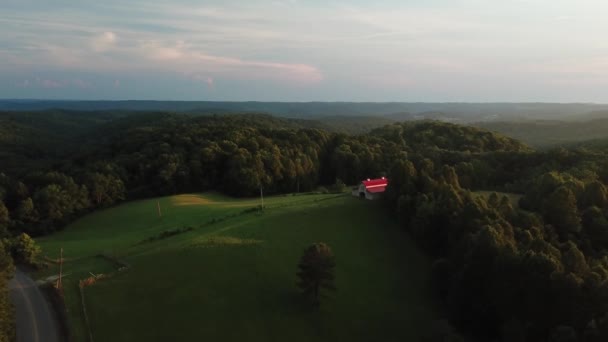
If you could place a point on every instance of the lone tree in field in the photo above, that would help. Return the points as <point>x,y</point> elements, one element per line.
<point>316,270</point>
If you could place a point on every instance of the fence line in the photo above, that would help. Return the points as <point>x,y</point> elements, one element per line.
<point>84,311</point>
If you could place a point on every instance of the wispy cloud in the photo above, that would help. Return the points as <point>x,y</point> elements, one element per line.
<point>81,84</point>
<point>104,41</point>
<point>49,84</point>
<point>132,47</point>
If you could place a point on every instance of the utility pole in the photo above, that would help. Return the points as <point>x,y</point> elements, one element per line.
<point>59,281</point>
<point>262,196</point>
<point>160,214</point>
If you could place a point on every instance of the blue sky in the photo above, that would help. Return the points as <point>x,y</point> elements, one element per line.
<point>296,50</point>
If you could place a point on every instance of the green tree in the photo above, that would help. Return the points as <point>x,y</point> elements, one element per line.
<point>4,220</point>
<point>26,212</point>
<point>105,189</point>
<point>450,176</point>
<point>595,226</point>
<point>595,195</point>
<point>561,211</point>
<point>316,270</point>
<point>7,329</point>
<point>574,260</point>
<point>563,334</point>
<point>338,186</point>
<point>25,249</point>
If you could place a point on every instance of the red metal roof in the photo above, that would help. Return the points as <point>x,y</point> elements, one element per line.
<point>375,185</point>
<point>376,190</point>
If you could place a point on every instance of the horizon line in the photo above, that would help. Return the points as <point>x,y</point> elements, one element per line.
<point>308,101</point>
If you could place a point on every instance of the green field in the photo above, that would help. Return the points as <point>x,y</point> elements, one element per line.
<point>232,278</point>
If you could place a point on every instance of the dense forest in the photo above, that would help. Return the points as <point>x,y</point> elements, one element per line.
<point>531,270</point>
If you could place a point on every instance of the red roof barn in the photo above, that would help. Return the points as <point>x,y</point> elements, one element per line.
<point>371,189</point>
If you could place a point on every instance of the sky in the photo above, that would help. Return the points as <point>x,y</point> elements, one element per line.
<point>297,50</point>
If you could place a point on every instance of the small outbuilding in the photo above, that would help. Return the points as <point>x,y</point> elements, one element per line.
<point>371,189</point>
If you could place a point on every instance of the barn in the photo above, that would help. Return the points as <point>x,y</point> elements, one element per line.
<point>371,189</point>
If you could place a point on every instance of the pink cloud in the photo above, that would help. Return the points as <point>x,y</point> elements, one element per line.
<point>270,70</point>
<point>104,41</point>
<point>207,80</point>
<point>182,57</point>
<point>49,84</point>
<point>54,84</point>
<point>116,83</point>
<point>78,83</point>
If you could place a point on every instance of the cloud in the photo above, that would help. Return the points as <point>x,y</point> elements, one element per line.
<point>209,81</point>
<point>80,84</point>
<point>23,84</point>
<point>578,66</point>
<point>375,46</point>
<point>49,84</point>
<point>182,57</point>
<point>104,41</point>
<point>256,69</point>
<point>387,82</point>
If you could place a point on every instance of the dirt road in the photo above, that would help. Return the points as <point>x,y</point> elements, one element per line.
<point>35,320</point>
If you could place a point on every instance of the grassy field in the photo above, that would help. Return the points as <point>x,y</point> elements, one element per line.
<point>232,277</point>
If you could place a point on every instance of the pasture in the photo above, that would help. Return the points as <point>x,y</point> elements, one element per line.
<point>232,277</point>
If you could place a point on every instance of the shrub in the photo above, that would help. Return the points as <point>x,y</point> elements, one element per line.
<point>168,233</point>
<point>25,250</point>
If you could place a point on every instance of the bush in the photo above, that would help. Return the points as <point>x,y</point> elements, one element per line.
<point>252,210</point>
<point>25,250</point>
<point>338,187</point>
<point>322,190</point>
<point>168,233</point>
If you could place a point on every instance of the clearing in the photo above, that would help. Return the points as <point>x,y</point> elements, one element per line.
<point>232,276</point>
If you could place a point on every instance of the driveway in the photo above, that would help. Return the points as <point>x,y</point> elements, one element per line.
<point>35,320</point>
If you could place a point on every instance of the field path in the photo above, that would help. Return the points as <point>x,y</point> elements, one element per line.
<point>35,322</point>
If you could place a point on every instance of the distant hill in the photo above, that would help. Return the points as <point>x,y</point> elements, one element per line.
<point>351,124</point>
<point>447,136</point>
<point>600,114</point>
<point>399,111</point>
<point>548,133</point>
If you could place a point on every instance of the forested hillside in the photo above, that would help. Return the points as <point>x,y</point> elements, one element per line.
<point>34,140</point>
<point>459,111</point>
<point>156,154</point>
<point>528,271</point>
<point>536,269</point>
<point>551,133</point>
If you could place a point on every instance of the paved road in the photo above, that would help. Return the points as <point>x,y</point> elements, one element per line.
<point>35,320</point>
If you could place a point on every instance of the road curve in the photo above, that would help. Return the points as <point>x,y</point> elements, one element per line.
<point>35,320</point>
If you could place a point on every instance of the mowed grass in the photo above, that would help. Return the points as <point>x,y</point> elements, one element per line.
<point>234,280</point>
